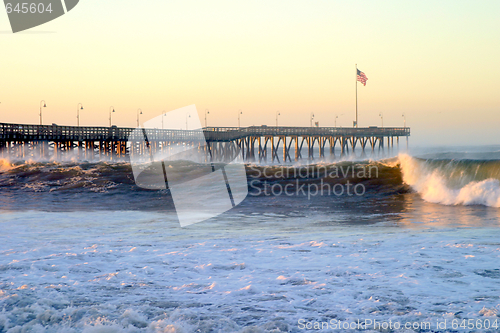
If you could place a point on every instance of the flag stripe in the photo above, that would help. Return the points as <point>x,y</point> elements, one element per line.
<point>361,77</point>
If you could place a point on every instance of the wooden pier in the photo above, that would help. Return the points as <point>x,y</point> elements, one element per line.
<point>256,143</point>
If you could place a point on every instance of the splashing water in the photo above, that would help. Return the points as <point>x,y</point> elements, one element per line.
<point>451,182</point>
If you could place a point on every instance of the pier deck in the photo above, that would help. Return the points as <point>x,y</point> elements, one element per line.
<point>52,141</point>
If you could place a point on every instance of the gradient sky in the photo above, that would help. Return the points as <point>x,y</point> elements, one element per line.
<point>435,61</point>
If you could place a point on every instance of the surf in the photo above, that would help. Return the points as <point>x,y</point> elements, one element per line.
<point>440,181</point>
<point>453,182</point>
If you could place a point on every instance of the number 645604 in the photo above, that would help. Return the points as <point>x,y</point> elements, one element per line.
<point>26,8</point>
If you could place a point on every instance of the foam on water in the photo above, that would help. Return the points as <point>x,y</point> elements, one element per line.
<point>106,272</point>
<point>451,184</point>
<point>129,267</point>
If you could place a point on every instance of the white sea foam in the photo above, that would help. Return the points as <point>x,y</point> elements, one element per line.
<point>111,272</point>
<point>434,185</point>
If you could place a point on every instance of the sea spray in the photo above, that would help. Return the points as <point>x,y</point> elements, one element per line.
<point>452,182</point>
<point>5,165</point>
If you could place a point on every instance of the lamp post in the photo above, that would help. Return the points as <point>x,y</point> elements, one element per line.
<point>381,114</point>
<point>42,105</point>
<point>111,110</point>
<point>239,113</point>
<point>187,116</point>
<point>336,117</point>
<point>404,117</point>
<point>277,114</point>
<point>139,112</point>
<point>79,107</point>
<point>162,115</point>
<point>206,112</point>
<point>311,119</point>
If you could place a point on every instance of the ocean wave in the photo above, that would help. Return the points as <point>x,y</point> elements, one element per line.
<point>442,181</point>
<point>453,182</point>
<point>381,176</point>
<point>61,176</point>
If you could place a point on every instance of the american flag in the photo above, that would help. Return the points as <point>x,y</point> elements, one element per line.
<point>362,77</point>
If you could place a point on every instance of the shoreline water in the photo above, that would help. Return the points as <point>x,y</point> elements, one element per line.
<point>116,260</point>
<point>131,272</point>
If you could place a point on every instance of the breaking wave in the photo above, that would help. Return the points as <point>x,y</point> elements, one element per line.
<point>442,181</point>
<point>453,182</point>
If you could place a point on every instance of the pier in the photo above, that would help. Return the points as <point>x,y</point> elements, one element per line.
<point>256,143</point>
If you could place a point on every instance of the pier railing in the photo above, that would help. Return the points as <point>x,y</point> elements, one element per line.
<point>231,133</point>
<point>22,132</point>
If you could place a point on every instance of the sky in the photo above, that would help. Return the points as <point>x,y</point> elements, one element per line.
<point>434,61</point>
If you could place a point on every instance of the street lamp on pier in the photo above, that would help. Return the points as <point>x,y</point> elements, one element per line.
<point>162,115</point>
<point>42,105</point>
<point>239,113</point>
<point>311,119</point>
<point>139,112</point>
<point>277,114</point>
<point>206,112</point>
<point>111,110</point>
<point>381,115</point>
<point>337,117</point>
<point>79,107</point>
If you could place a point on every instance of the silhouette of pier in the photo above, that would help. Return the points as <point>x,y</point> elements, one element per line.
<point>256,143</point>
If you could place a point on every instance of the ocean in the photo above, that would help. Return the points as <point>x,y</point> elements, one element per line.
<point>412,246</point>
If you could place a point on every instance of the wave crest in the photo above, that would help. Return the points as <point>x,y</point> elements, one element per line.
<point>451,182</point>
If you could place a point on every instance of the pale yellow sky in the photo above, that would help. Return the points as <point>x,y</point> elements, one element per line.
<point>437,62</point>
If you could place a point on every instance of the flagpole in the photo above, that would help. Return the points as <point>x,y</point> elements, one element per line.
<point>356,82</point>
